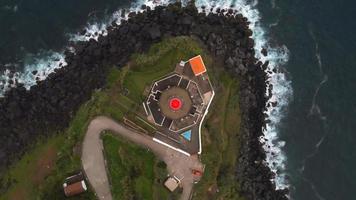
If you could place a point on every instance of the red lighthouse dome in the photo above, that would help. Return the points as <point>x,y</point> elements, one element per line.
<point>175,103</point>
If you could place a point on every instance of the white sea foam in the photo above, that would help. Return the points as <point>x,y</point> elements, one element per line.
<point>94,29</point>
<point>277,56</point>
<point>42,64</point>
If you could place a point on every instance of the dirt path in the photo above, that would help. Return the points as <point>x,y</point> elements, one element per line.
<point>93,162</point>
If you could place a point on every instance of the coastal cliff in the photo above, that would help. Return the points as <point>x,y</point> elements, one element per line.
<point>48,107</point>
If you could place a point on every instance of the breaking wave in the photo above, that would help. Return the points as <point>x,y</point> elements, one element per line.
<point>279,87</point>
<point>36,68</point>
<point>93,30</point>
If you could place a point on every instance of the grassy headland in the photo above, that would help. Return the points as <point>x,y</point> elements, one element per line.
<point>133,170</point>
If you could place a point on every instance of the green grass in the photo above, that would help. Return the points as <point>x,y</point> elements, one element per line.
<point>159,61</point>
<point>139,171</point>
<point>133,170</point>
<point>25,175</point>
<point>221,140</point>
<point>139,178</point>
<point>132,178</point>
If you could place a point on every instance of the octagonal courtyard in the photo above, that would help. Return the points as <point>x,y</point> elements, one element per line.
<point>177,104</point>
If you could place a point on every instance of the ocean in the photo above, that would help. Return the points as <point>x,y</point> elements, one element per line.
<point>319,124</point>
<point>309,141</point>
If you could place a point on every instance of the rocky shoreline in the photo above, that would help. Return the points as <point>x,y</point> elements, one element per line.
<point>26,115</point>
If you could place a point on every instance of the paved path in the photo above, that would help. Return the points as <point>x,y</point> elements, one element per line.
<point>94,165</point>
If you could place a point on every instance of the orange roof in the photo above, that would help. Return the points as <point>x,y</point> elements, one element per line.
<point>197,65</point>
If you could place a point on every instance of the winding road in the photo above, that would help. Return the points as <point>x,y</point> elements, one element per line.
<point>94,164</point>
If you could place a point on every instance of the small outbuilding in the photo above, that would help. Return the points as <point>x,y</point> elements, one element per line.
<point>74,189</point>
<point>74,185</point>
<point>171,183</point>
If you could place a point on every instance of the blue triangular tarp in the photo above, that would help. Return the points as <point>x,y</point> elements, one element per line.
<point>187,135</point>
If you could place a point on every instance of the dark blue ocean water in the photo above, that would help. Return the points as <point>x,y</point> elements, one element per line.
<point>28,26</point>
<point>319,128</point>
<point>320,122</point>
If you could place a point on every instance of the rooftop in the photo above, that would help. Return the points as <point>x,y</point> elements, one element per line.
<point>197,65</point>
<point>177,103</point>
<point>75,188</point>
<point>171,184</point>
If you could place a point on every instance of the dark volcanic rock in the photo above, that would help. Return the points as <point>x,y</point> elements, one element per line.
<point>49,106</point>
<point>154,32</point>
<point>264,52</point>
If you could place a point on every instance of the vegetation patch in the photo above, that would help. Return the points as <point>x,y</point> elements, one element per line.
<point>159,61</point>
<point>221,140</point>
<point>26,176</point>
<point>138,178</point>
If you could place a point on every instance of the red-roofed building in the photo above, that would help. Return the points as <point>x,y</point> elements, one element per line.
<point>197,65</point>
